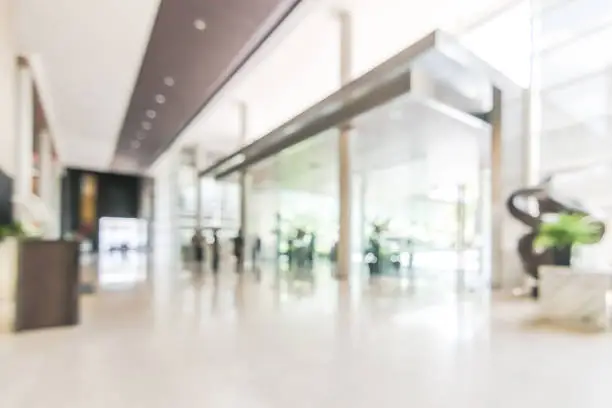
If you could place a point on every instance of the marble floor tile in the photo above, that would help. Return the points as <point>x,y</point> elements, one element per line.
<point>281,340</point>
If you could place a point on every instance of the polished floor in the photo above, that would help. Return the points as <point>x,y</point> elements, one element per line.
<point>169,339</point>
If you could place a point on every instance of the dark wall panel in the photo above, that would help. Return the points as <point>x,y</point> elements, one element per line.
<point>6,197</point>
<point>198,62</point>
<point>116,196</point>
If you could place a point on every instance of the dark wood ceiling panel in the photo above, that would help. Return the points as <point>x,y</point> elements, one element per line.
<point>200,62</point>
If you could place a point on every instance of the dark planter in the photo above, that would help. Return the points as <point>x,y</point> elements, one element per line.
<point>562,256</point>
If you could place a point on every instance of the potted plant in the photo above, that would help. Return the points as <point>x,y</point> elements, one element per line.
<point>374,252</point>
<point>564,232</point>
<point>14,229</point>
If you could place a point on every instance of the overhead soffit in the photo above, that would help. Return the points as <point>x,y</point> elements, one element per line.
<point>196,46</point>
<point>439,54</point>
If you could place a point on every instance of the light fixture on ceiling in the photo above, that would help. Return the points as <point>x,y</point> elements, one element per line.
<point>146,125</point>
<point>151,114</point>
<point>199,24</point>
<point>159,98</point>
<point>169,81</point>
<point>140,135</point>
<point>135,144</point>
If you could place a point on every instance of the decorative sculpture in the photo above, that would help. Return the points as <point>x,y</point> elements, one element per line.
<point>547,203</point>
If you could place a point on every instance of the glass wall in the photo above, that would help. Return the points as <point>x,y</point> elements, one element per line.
<point>187,200</point>
<point>417,170</point>
<point>575,74</point>
<point>219,205</point>
<point>504,40</point>
<point>575,78</point>
<point>294,202</point>
<point>561,56</point>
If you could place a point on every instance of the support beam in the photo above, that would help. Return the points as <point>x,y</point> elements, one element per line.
<point>47,179</point>
<point>532,108</point>
<point>245,187</point>
<point>345,195</point>
<point>498,208</point>
<point>25,142</point>
<point>199,163</point>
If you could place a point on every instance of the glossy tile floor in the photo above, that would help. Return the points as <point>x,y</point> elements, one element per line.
<point>299,341</point>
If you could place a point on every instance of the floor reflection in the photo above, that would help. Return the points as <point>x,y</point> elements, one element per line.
<point>276,338</point>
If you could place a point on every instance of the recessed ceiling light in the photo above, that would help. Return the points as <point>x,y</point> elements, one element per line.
<point>151,114</point>
<point>159,98</point>
<point>135,144</point>
<point>169,81</point>
<point>199,24</point>
<point>146,125</point>
<point>140,135</point>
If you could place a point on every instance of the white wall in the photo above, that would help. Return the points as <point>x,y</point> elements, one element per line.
<point>7,89</point>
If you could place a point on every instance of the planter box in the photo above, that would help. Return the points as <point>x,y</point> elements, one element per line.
<point>39,284</point>
<point>575,296</point>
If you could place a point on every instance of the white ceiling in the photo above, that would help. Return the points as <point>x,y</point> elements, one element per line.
<point>86,55</point>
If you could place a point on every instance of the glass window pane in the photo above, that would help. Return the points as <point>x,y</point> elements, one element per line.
<point>584,55</point>
<point>572,18</point>
<point>586,99</point>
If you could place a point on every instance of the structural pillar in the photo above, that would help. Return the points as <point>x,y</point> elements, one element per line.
<point>199,163</point>
<point>245,187</point>
<point>47,179</point>
<point>460,239</point>
<point>532,109</point>
<point>529,173</point>
<point>498,209</point>
<point>344,155</point>
<point>25,142</point>
<point>57,196</point>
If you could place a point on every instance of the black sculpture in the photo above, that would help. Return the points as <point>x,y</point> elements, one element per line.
<point>548,203</point>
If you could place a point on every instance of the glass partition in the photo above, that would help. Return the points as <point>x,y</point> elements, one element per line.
<point>294,203</point>
<point>575,74</point>
<point>420,174</point>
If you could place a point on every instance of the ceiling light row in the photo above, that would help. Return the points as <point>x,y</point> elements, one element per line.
<point>151,113</point>
<point>199,25</point>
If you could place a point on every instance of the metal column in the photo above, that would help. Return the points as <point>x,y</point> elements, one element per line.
<point>198,164</point>
<point>498,208</point>
<point>25,141</point>
<point>344,155</point>
<point>47,180</point>
<point>460,238</point>
<point>532,109</point>
<point>244,189</point>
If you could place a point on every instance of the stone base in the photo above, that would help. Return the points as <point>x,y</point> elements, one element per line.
<point>575,296</point>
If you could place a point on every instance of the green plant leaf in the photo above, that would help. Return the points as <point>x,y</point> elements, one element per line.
<point>568,230</point>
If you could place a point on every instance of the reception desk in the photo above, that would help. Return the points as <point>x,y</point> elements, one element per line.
<point>576,296</point>
<point>39,284</point>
